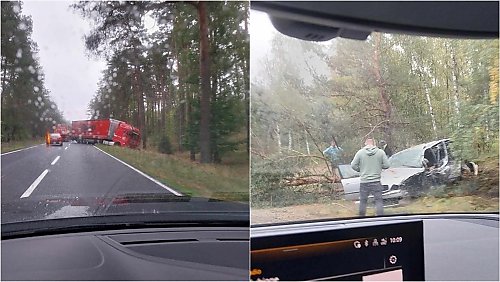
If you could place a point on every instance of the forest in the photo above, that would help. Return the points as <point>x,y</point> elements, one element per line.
<point>27,108</point>
<point>406,90</point>
<point>184,82</point>
<point>179,71</point>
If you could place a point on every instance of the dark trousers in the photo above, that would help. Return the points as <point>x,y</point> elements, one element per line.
<point>365,189</point>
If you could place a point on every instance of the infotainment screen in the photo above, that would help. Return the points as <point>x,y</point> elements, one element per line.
<point>388,252</point>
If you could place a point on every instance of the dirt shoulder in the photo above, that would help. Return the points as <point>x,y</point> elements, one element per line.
<point>343,209</point>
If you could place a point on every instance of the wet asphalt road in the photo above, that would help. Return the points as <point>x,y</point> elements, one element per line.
<point>34,178</point>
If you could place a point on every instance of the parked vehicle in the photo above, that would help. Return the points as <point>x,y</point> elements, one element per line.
<point>54,139</point>
<point>412,172</point>
<point>111,131</point>
<point>64,130</point>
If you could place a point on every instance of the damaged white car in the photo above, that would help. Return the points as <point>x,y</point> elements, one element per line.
<point>413,171</point>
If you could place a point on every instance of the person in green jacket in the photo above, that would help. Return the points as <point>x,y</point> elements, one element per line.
<point>369,162</point>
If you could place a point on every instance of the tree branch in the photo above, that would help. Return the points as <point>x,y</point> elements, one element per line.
<point>375,127</point>
<point>259,154</point>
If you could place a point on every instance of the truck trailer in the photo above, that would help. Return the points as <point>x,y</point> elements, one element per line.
<point>109,131</point>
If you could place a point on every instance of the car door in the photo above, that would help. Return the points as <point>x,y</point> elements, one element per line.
<point>350,181</point>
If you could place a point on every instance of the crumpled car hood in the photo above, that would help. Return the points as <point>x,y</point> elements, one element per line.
<point>396,176</point>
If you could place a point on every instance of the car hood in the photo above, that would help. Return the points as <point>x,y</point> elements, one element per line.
<point>127,204</point>
<point>396,176</point>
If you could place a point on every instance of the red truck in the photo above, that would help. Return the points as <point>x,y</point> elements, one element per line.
<point>105,130</point>
<point>63,129</point>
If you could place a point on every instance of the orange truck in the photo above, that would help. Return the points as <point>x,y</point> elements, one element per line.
<point>109,131</point>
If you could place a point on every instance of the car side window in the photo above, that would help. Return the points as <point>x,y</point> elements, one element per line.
<point>430,157</point>
<point>441,155</point>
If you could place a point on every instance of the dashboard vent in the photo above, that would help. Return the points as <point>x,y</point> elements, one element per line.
<point>232,240</point>
<point>141,242</point>
<point>229,248</point>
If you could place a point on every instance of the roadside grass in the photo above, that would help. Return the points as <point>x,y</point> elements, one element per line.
<point>16,145</point>
<point>226,181</point>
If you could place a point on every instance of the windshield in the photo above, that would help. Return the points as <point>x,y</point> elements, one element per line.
<point>408,158</point>
<point>149,99</point>
<point>429,104</point>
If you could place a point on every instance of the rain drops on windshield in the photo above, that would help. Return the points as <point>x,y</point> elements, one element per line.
<point>118,100</point>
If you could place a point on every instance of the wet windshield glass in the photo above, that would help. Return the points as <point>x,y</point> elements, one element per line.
<point>149,98</point>
<point>322,111</point>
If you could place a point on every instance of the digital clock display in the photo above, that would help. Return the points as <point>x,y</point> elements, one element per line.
<point>396,240</point>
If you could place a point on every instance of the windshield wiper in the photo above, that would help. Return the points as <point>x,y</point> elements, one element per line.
<point>127,221</point>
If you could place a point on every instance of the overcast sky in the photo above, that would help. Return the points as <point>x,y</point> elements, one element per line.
<point>261,29</point>
<point>262,32</point>
<point>70,75</point>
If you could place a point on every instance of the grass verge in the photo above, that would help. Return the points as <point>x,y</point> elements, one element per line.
<point>226,181</point>
<point>16,145</point>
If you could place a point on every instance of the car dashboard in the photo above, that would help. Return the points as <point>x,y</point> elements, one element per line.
<point>181,253</point>
<point>396,248</point>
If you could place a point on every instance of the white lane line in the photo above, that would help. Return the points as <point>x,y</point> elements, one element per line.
<point>21,150</point>
<point>55,160</point>
<point>32,187</point>
<point>66,148</point>
<point>143,174</point>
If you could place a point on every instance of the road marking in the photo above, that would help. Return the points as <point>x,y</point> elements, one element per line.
<point>143,174</point>
<point>20,150</point>
<point>66,148</point>
<point>55,160</point>
<point>34,184</point>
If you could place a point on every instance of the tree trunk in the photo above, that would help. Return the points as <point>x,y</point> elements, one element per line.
<point>163,104</point>
<point>455,85</point>
<point>279,137</point>
<point>307,144</point>
<point>205,156</point>
<point>246,77</point>
<point>429,102</point>
<point>384,97</point>
<point>431,111</point>
<point>188,119</point>
<point>289,141</point>
<point>159,95</point>
<point>192,144</point>
<point>214,134</point>
<point>4,80</point>
<point>180,107</point>
<point>140,107</point>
